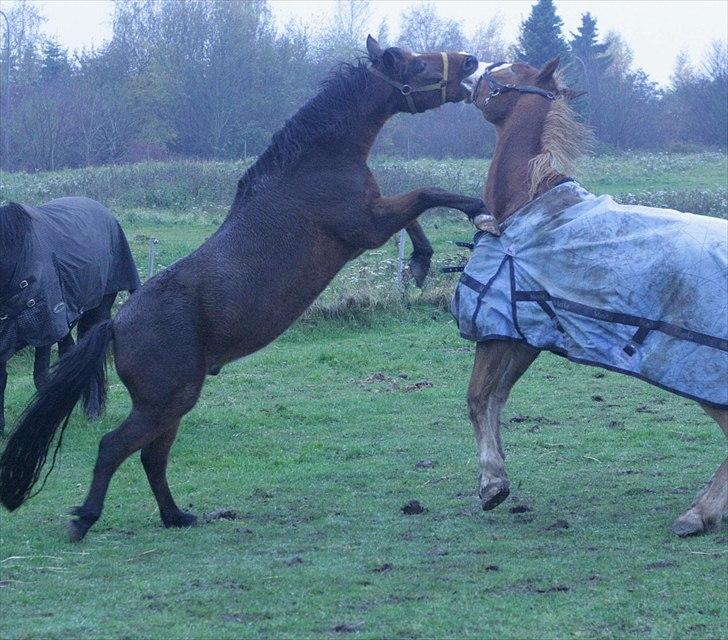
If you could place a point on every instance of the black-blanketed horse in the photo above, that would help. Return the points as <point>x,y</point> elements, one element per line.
<point>61,263</point>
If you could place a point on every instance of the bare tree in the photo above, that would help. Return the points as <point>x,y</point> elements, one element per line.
<point>424,30</point>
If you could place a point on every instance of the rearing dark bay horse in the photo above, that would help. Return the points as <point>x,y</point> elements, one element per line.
<point>302,211</point>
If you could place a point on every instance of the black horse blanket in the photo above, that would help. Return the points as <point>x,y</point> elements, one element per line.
<point>76,253</point>
<point>638,290</point>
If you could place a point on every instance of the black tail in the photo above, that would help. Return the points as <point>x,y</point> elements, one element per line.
<point>25,454</point>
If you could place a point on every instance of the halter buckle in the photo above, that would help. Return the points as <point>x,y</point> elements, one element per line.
<point>23,284</point>
<point>406,90</point>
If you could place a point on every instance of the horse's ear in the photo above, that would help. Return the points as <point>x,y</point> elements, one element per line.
<point>393,58</point>
<point>572,94</point>
<point>548,70</point>
<point>373,49</point>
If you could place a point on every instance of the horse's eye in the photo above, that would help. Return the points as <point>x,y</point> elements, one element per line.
<point>469,64</point>
<point>418,66</point>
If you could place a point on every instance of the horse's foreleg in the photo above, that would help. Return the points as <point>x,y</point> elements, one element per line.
<point>154,458</point>
<point>711,504</point>
<point>391,214</point>
<point>419,261</point>
<point>498,365</point>
<point>3,383</point>
<point>41,363</point>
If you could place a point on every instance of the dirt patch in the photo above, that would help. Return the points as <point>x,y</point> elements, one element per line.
<point>346,627</point>
<point>383,568</point>
<point>518,419</point>
<point>425,464</point>
<point>556,588</point>
<point>597,398</point>
<point>221,514</point>
<point>643,408</point>
<point>417,386</point>
<point>413,508</point>
<point>383,382</point>
<point>491,567</point>
<point>293,561</point>
<point>520,508</point>
<point>557,525</point>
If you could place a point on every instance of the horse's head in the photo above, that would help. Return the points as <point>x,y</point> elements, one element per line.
<point>14,236</point>
<point>422,81</point>
<point>497,87</point>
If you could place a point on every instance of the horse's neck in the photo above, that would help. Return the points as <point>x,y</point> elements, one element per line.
<point>518,141</point>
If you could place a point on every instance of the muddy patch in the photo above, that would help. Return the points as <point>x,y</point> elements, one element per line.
<point>381,382</point>
<point>413,508</point>
<point>221,514</point>
<point>425,464</point>
<point>346,627</point>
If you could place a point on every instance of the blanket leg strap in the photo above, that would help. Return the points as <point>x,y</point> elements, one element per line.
<point>637,339</point>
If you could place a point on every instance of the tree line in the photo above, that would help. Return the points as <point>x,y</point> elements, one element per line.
<point>214,79</point>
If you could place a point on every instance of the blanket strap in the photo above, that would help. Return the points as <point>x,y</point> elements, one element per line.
<point>637,339</point>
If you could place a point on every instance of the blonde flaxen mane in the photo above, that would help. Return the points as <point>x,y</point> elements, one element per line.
<point>563,140</point>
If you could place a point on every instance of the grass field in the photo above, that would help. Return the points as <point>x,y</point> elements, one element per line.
<point>314,444</point>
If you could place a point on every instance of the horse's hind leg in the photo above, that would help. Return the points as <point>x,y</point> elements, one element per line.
<point>41,362</point>
<point>154,458</point>
<point>149,427</point>
<point>498,365</point>
<point>3,384</point>
<point>711,504</point>
<point>116,446</point>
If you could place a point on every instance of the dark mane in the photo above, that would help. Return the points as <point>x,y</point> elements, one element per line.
<point>14,227</point>
<point>327,115</point>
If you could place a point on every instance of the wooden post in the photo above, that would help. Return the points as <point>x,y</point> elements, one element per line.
<point>400,263</point>
<point>151,256</point>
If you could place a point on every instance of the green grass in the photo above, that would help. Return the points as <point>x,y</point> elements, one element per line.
<point>184,190</point>
<point>317,455</point>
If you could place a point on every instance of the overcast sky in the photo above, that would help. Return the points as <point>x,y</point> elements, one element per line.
<point>657,30</point>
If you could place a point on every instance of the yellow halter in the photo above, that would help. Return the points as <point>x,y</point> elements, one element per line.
<point>407,90</point>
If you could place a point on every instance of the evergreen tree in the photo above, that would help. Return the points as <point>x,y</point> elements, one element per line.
<point>590,63</point>
<point>540,37</point>
<point>584,45</point>
<point>54,62</point>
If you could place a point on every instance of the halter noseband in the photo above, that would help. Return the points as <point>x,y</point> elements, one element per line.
<point>496,88</point>
<point>407,90</point>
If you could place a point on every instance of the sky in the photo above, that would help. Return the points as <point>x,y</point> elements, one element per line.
<point>656,30</point>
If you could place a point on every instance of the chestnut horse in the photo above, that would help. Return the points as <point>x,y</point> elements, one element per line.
<point>537,138</point>
<point>305,208</point>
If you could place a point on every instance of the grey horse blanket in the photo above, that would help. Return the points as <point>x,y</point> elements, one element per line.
<point>639,290</point>
<point>75,255</point>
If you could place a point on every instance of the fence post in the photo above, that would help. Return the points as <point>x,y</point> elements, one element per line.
<point>151,255</point>
<point>400,263</point>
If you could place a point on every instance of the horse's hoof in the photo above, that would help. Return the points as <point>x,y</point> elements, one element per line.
<point>76,530</point>
<point>419,266</point>
<point>494,493</point>
<point>688,524</point>
<point>487,223</point>
<point>180,519</point>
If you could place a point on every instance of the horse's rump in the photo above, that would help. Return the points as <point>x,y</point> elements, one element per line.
<point>76,255</point>
<point>635,289</point>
